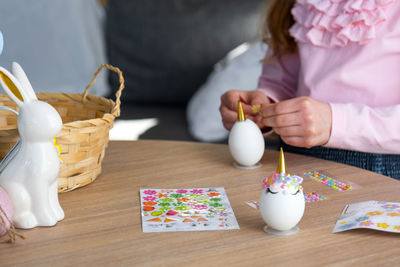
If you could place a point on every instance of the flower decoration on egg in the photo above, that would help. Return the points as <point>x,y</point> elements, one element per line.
<point>283,182</point>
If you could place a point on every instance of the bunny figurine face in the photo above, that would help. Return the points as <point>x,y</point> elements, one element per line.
<point>30,176</point>
<point>38,121</point>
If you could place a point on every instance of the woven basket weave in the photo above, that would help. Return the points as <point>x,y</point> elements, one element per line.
<point>87,120</point>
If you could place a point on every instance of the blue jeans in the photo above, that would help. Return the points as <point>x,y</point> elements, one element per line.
<point>386,164</point>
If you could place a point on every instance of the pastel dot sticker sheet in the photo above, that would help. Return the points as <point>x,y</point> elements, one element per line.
<point>328,181</point>
<point>377,215</point>
<point>194,209</point>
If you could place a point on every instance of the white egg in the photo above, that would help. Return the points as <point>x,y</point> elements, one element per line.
<point>282,209</point>
<point>246,143</point>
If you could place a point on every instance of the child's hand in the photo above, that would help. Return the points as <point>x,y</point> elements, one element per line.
<point>301,121</point>
<point>229,102</point>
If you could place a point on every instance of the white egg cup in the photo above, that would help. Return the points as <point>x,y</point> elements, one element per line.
<point>255,166</point>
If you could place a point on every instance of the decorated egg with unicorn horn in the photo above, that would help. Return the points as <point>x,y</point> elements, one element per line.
<point>282,201</point>
<point>246,142</point>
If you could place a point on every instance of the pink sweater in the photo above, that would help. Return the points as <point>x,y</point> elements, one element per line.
<point>349,56</point>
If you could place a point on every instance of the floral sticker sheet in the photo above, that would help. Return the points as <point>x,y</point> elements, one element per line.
<point>377,215</point>
<point>195,209</point>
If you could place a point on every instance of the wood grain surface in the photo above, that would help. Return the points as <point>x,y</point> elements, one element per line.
<point>102,226</point>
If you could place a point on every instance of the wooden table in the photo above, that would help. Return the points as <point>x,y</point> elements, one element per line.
<point>103,222</point>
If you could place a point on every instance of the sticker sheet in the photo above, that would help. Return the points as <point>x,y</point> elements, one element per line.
<point>377,215</point>
<point>328,181</point>
<point>195,209</point>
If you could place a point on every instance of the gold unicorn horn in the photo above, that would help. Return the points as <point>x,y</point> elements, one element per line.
<point>281,164</point>
<point>240,115</point>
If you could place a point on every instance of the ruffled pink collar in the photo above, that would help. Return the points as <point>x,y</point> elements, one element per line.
<point>336,23</point>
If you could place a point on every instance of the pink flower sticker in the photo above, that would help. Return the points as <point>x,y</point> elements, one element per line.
<point>366,223</point>
<point>197,191</point>
<point>200,207</point>
<point>150,192</point>
<point>181,191</point>
<point>149,198</point>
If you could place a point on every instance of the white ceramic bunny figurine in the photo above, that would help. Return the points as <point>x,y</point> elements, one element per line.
<point>30,176</point>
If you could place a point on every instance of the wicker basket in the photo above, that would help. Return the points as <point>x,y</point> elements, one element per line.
<point>87,120</point>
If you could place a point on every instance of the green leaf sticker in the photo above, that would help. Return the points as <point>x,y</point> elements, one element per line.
<point>176,195</point>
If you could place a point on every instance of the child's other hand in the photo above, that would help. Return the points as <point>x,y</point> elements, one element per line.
<point>229,103</point>
<point>301,121</point>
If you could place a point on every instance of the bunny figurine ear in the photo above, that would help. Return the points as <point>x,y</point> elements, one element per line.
<point>1,42</point>
<point>19,73</point>
<point>13,88</point>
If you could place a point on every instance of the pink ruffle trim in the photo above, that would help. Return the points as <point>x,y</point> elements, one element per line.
<point>335,23</point>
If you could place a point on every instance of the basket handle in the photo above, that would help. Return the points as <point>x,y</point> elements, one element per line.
<point>116,109</point>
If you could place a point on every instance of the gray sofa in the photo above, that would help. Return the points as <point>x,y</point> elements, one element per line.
<point>166,50</point>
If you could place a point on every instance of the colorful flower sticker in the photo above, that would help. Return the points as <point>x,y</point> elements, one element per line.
<point>366,223</point>
<point>181,191</point>
<point>393,214</point>
<point>363,218</point>
<point>283,181</point>
<point>196,191</point>
<point>166,190</point>
<point>200,207</point>
<point>150,192</point>
<point>161,195</point>
<point>346,226</point>
<point>149,198</point>
<point>396,227</point>
<point>149,203</point>
<point>375,213</point>
<point>383,225</point>
<point>166,200</point>
<point>390,206</point>
<point>213,194</point>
